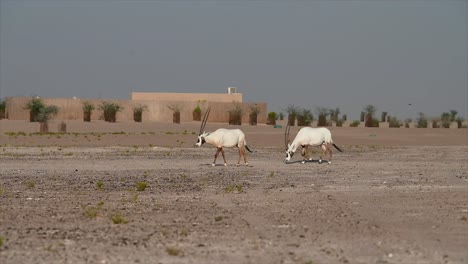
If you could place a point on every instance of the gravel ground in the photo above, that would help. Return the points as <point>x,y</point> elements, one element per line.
<point>153,204</point>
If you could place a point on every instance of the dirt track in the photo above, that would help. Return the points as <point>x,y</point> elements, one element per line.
<point>377,203</point>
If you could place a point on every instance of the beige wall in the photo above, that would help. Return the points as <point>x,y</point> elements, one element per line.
<point>188,97</point>
<point>71,109</point>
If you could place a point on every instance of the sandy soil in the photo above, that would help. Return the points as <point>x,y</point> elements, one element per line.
<point>392,196</point>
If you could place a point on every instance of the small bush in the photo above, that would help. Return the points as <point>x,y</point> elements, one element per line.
<point>254,111</point>
<point>138,112</point>
<point>304,117</point>
<point>394,122</point>
<point>141,186</point>
<point>355,123</point>
<point>117,218</point>
<point>196,113</point>
<point>422,121</point>
<point>235,114</point>
<point>88,108</point>
<point>272,118</point>
<point>110,111</point>
<point>99,184</point>
<point>292,113</point>
<point>174,251</point>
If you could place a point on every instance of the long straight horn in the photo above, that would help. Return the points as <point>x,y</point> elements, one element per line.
<point>204,120</point>
<point>286,136</point>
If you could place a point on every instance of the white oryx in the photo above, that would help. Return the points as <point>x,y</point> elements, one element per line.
<point>308,136</point>
<point>223,138</point>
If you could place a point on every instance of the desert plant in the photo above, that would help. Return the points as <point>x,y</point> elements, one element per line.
<point>383,117</point>
<point>445,120</point>
<point>272,118</point>
<point>322,113</point>
<point>46,113</point>
<point>138,112</point>
<point>176,108</point>
<point>435,123</point>
<point>362,116</point>
<point>34,106</point>
<point>2,108</point>
<point>196,113</point>
<point>460,122</point>
<point>141,186</point>
<point>334,114</point>
<point>393,122</point>
<point>235,114</point>
<point>369,111</point>
<point>254,110</point>
<point>292,112</point>
<point>88,108</point>
<point>355,123</point>
<point>99,184</point>
<point>421,121</point>
<point>110,111</point>
<point>407,122</point>
<point>453,115</point>
<point>174,251</point>
<point>304,117</point>
<point>344,117</point>
<point>117,218</point>
<point>281,116</point>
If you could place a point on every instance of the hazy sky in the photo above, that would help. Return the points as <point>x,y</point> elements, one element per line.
<point>344,54</point>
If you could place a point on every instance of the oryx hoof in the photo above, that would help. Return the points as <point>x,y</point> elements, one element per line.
<point>329,162</point>
<point>320,162</point>
<point>212,165</point>
<point>225,164</point>
<point>303,162</point>
<point>246,164</point>
<point>238,165</point>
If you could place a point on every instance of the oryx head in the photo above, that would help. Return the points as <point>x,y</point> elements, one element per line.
<point>202,134</point>
<point>289,152</point>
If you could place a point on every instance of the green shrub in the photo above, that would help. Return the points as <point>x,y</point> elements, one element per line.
<point>272,118</point>
<point>355,123</point>
<point>141,186</point>
<point>110,111</point>
<point>138,112</point>
<point>422,121</point>
<point>394,122</point>
<point>88,108</point>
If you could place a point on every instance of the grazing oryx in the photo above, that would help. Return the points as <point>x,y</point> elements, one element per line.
<point>223,138</point>
<point>308,136</point>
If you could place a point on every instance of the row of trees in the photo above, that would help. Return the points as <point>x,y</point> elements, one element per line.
<point>305,117</point>
<point>326,116</point>
<point>39,112</point>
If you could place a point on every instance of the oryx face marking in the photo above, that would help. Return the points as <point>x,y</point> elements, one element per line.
<point>289,155</point>
<point>200,140</point>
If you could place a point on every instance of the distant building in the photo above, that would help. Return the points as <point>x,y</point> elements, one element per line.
<point>157,106</point>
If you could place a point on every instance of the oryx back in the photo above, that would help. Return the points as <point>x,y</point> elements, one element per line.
<point>313,136</point>
<point>228,137</point>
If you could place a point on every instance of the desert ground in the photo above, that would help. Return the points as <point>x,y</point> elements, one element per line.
<point>142,193</point>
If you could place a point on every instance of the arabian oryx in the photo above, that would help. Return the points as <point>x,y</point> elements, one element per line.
<point>308,136</point>
<point>223,138</point>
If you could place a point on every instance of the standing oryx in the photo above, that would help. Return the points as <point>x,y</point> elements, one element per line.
<point>223,138</point>
<point>308,136</point>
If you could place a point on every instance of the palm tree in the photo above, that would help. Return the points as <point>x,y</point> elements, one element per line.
<point>369,110</point>
<point>453,115</point>
<point>292,112</point>
<point>322,113</point>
